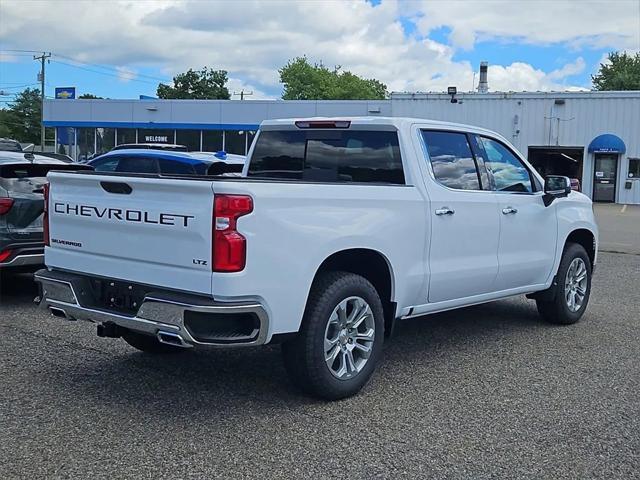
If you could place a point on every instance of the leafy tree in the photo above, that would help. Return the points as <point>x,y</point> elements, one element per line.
<point>203,84</point>
<point>21,120</point>
<point>5,126</point>
<point>90,96</point>
<point>303,81</point>
<point>621,73</point>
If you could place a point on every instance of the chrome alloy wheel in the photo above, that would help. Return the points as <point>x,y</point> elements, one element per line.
<point>575,284</point>
<point>348,338</point>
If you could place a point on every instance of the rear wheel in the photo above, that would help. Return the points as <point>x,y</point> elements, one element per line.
<point>149,344</point>
<point>572,288</point>
<point>341,337</point>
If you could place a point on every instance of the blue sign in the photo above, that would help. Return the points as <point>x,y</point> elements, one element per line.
<point>66,93</point>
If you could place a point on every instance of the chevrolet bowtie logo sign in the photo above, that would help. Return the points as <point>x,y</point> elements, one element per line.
<point>66,93</point>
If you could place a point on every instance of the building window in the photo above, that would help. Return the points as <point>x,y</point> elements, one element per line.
<point>161,135</point>
<point>211,140</point>
<point>86,140</point>
<point>66,138</point>
<point>235,142</point>
<point>126,135</point>
<point>189,138</point>
<point>105,139</point>
<point>634,168</point>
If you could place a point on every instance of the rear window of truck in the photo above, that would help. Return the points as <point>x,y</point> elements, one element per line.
<point>328,156</point>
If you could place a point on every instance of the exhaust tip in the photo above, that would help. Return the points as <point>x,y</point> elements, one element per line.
<point>171,338</point>
<point>58,312</point>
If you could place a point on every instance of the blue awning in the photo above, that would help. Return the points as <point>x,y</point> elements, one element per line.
<point>607,143</point>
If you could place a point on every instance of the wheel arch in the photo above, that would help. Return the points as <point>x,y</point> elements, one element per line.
<point>586,238</point>
<point>372,265</point>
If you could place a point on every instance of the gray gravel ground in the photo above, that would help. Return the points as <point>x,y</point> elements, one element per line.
<point>485,392</point>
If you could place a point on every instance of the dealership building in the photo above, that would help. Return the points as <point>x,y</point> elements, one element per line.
<point>591,136</point>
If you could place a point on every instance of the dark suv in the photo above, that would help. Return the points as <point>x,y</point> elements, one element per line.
<point>22,176</point>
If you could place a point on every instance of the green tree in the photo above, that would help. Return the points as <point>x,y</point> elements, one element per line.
<point>621,73</point>
<point>202,84</point>
<point>303,81</point>
<point>5,125</point>
<point>22,119</point>
<point>90,96</point>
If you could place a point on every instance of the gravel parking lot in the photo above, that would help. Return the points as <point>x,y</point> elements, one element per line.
<point>485,392</point>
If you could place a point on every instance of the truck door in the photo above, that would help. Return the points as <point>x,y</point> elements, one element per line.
<point>528,229</point>
<point>463,254</point>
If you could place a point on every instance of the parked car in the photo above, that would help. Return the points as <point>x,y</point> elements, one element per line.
<point>22,176</point>
<point>340,229</point>
<point>10,145</point>
<point>168,162</point>
<point>151,146</point>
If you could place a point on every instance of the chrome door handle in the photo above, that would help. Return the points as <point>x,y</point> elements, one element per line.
<point>445,211</point>
<point>509,210</point>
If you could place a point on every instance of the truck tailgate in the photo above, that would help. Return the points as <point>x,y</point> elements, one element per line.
<point>155,231</point>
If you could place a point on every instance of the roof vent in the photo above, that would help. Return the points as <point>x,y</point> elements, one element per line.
<point>483,84</point>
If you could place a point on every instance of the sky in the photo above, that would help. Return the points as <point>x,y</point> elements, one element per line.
<point>124,48</point>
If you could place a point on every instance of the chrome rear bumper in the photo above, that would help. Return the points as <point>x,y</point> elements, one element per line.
<point>161,314</point>
<point>24,260</point>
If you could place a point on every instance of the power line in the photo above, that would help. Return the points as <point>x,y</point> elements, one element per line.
<point>109,71</point>
<point>106,67</point>
<point>109,74</point>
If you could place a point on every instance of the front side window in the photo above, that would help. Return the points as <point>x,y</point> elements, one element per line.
<point>108,164</point>
<point>451,159</point>
<point>328,156</point>
<point>509,173</point>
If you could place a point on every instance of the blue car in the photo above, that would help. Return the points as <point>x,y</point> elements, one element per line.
<point>168,162</point>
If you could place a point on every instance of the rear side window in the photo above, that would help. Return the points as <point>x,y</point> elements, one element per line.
<point>328,156</point>
<point>451,160</point>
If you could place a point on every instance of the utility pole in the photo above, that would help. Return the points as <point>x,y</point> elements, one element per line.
<point>242,94</point>
<point>42,58</point>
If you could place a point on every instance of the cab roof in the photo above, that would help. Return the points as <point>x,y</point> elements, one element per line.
<point>398,122</point>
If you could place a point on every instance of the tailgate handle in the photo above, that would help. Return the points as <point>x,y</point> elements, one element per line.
<point>116,187</point>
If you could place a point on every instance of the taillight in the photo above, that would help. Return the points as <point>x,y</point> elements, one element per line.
<point>229,246</point>
<point>4,254</point>
<point>5,205</point>
<point>45,214</point>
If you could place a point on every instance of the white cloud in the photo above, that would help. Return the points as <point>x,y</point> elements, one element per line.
<point>601,24</point>
<point>252,39</point>
<point>126,74</point>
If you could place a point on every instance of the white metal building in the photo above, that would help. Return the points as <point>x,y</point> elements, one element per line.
<point>591,136</point>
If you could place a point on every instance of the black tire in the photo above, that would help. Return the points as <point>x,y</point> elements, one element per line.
<point>149,344</point>
<point>304,355</point>
<point>556,310</point>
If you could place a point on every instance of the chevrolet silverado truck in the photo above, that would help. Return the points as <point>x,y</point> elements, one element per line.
<point>337,229</point>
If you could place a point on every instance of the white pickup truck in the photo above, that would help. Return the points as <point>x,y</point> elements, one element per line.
<point>336,229</point>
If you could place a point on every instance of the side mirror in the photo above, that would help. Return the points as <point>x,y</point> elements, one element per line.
<point>555,186</point>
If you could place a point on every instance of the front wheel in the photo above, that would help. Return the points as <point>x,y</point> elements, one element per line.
<point>341,337</point>
<point>572,288</point>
